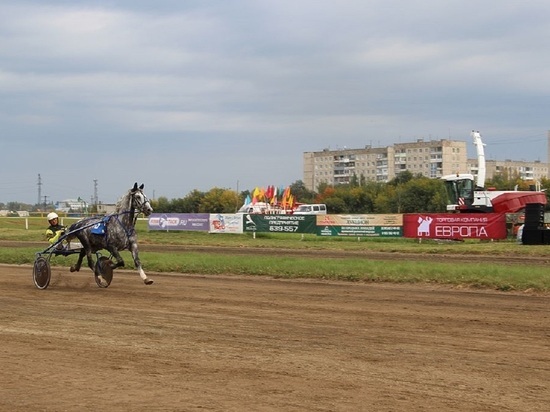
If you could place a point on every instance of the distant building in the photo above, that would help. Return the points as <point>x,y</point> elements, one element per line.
<point>71,205</point>
<point>524,170</point>
<point>105,208</point>
<point>432,158</point>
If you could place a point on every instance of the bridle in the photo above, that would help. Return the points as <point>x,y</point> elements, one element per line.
<point>138,203</point>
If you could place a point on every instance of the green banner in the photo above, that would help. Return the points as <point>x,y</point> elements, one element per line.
<point>279,223</point>
<point>389,225</point>
<point>360,231</point>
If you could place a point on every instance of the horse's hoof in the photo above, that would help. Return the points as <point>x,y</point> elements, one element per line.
<point>148,281</point>
<point>72,269</point>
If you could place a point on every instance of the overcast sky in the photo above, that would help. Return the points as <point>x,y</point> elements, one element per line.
<point>182,95</point>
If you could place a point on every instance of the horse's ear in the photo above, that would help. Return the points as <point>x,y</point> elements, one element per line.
<point>142,186</point>
<point>135,188</point>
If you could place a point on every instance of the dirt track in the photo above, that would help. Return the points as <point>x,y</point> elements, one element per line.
<point>211,343</point>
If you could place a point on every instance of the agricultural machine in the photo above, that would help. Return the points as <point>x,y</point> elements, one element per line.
<point>467,196</point>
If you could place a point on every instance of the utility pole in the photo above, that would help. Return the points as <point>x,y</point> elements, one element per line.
<point>39,189</point>
<point>95,199</point>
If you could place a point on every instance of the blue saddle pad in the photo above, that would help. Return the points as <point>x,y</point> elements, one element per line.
<point>98,228</point>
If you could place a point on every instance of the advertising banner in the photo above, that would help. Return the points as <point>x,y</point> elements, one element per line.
<point>455,226</point>
<point>179,221</point>
<point>390,225</point>
<point>226,223</point>
<point>279,223</point>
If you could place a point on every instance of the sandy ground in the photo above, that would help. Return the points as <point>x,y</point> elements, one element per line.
<point>227,343</point>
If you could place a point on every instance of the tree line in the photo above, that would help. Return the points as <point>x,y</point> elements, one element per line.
<point>406,193</point>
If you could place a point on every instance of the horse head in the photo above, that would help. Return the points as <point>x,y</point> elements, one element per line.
<point>140,202</point>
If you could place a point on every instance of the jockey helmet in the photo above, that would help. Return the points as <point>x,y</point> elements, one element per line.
<point>52,215</point>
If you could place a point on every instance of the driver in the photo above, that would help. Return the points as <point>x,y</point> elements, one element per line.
<point>55,230</point>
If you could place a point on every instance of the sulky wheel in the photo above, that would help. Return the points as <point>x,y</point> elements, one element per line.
<point>41,273</point>
<point>103,268</point>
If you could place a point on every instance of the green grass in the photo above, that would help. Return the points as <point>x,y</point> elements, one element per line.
<point>359,269</point>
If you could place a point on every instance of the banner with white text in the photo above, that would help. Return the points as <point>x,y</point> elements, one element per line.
<point>390,225</point>
<point>279,223</point>
<point>455,226</point>
<point>178,221</point>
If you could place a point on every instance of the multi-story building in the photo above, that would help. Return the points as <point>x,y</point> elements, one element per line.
<point>511,168</point>
<point>433,158</point>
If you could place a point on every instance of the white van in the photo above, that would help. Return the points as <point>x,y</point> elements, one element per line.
<point>261,208</point>
<point>319,209</point>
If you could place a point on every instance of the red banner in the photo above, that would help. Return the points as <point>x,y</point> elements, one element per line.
<point>455,226</point>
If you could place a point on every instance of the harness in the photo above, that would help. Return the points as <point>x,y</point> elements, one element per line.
<point>100,228</point>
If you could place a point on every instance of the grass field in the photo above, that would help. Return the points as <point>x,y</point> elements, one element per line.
<point>503,276</point>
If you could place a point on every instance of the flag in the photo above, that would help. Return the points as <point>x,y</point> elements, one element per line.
<point>273,195</point>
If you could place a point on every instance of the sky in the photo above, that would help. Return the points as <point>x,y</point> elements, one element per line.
<point>192,95</point>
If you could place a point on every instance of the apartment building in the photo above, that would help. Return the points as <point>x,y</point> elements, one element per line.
<point>432,158</point>
<point>511,168</point>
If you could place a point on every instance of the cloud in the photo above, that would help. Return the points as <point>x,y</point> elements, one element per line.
<point>226,87</point>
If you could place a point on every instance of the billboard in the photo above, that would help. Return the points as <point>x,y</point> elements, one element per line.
<point>226,223</point>
<point>279,223</point>
<point>179,221</point>
<point>455,226</point>
<point>390,225</point>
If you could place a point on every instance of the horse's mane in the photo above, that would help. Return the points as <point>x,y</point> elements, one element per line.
<point>123,204</point>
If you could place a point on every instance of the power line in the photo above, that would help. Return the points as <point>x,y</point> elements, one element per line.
<point>517,140</point>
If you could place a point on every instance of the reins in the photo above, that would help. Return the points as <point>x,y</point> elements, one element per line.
<point>130,230</point>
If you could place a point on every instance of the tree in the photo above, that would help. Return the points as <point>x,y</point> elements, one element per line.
<point>16,206</point>
<point>335,205</point>
<point>421,195</point>
<point>325,193</point>
<point>401,178</point>
<point>301,193</point>
<point>219,200</point>
<point>160,204</point>
<point>387,201</point>
<point>192,201</point>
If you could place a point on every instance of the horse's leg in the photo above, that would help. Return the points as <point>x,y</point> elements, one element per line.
<point>90,259</point>
<point>137,262</point>
<point>76,267</point>
<point>119,260</point>
<point>84,252</point>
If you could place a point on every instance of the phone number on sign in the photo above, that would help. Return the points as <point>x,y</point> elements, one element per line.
<point>283,228</point>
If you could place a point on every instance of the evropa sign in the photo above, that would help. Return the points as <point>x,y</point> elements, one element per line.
<point>455,226</point>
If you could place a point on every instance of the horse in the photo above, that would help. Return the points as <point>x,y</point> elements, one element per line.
<point>113,232</point>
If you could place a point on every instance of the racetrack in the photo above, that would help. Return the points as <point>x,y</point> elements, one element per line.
<point>229,343</point>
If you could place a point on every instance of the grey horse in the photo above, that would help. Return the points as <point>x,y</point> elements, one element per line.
<point>113,232</point>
